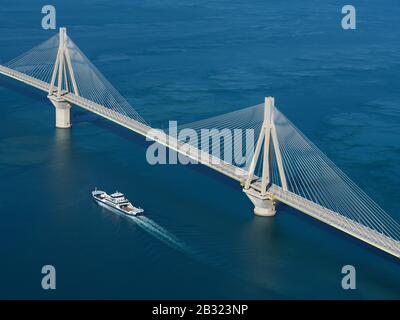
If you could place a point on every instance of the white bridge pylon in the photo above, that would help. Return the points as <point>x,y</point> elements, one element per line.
<point>63,74</point>
<point>264,203</point>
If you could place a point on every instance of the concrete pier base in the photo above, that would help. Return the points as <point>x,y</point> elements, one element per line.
<point>63,112</point>
<point>263,205</point>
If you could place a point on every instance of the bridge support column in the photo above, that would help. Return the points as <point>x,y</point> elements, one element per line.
<point>63,112</point>
<point>264,205</point>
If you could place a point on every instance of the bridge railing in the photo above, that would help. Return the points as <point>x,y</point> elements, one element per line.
<point>338,221</point>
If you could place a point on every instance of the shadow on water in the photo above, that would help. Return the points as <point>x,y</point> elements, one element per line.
<point>83,116</point>
<point>22,89</point>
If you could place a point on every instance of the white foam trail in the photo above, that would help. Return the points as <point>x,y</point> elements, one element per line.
<point>160,233</point>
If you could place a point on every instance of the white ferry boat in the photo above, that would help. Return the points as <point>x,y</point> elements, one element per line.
<point>116,201</point>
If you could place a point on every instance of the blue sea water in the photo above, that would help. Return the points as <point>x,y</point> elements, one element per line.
<point>187,60</point>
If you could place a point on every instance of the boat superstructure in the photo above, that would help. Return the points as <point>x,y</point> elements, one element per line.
<point>116,201</point>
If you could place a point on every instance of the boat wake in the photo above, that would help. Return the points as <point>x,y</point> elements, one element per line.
<point>161,234</point>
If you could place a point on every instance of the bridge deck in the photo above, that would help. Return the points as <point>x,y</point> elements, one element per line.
<point>337,220</point>
<point>138,127</point>
<point>306,206</point>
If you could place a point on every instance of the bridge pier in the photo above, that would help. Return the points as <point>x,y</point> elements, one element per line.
<point>263,205</point>
<point>63,112</point>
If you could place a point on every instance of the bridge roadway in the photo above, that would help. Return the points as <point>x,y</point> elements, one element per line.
<point>293,200</point>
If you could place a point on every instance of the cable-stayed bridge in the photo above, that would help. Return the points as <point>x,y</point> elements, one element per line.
<point>283,167</point>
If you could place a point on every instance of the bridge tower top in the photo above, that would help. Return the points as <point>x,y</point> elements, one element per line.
<point>63,35</point>
<point>63,72</point>
<point>269,104</point>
